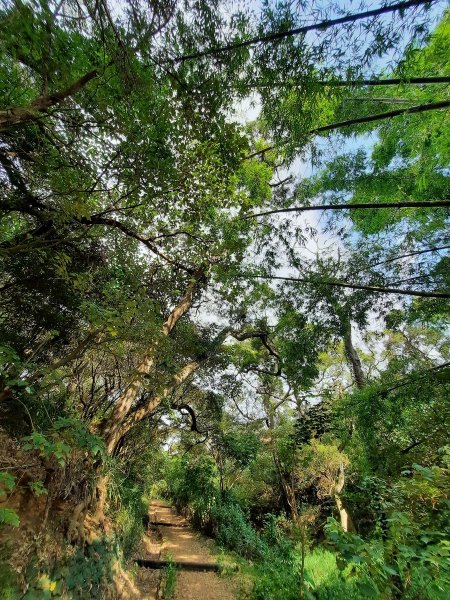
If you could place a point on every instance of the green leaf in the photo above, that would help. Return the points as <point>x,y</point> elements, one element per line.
<point>390,570</point>
<point>8,516</point>
<point>7,480</point>
<point>369,590</point>
<point>37,487</point>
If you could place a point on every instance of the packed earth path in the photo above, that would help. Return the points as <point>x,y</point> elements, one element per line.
<point>170,537</point>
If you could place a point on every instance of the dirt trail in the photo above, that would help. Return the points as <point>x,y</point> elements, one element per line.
<point>180,542</point>
<point>171,536</point>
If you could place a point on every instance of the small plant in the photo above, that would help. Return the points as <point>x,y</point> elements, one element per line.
<point>47,447</point>
<point>37,487</point>
<point>302,529</point>
<point>8,516</point>
<point>85,573</point>
<point>169,579</point>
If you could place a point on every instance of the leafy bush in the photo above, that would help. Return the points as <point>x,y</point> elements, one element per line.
<point>8,583</point>
<point>274,535</point>
<point>233,531</point>
<point>275,580</point>
<point>84,574</point>
<point>193,487</point>
<point>410,553</point>
<point>8,516</point>
<point>325,580</point>
<point>127,511</point>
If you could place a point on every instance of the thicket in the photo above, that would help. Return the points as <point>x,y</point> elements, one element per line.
<point>406,554</point>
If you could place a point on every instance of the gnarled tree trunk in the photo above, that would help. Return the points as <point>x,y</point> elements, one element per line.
<point>111,429</point>
<point>121,421</point>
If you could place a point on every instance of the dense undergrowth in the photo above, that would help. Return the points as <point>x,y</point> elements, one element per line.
<point>36,560</point>
<point>407,553</point>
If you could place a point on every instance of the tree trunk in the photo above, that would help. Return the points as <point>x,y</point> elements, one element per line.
<point>287,491</point>
<point>117,425</point>
<point>345,517</point>
<point>360,380</point>
<point>141,413</point>
<point>111,428</point>
<point>352,357</point>
<point>138,415</point>
<point>124,427</point>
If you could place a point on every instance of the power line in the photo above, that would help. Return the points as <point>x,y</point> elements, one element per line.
<point>356,205</point>
<point>413,253</point>
<point>420,108</point>
<point>353,82</point>
<point>386,115</point>
<point>271,37</point>
<point>356,286</point>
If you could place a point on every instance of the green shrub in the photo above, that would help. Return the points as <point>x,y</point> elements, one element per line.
<point>87,573</point>
<point>169,580</point>
<point>275,580</point>
<point>325,580</point>
<point>233,531</point>
<point>192,486</point>
<point>275,536</point>
<point>8,583</point>
<point>410,552</point>
<point>127,511</point>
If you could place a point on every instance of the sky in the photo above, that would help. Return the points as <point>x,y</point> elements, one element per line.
<point>248,110</point>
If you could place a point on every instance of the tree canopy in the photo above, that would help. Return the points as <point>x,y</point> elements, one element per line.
<point>246,314</point>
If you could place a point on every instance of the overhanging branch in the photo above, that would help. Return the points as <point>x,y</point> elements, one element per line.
<point>20,115</point>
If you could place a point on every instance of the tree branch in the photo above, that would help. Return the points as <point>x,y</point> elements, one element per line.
<point>192,414</point>
<point>97,220</point>
<point>264,337</point>
<point>20,115</point>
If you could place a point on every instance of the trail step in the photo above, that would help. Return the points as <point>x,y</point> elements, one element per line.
<point>183,564</point>
<point>164,524</point>
<point>149,522</point>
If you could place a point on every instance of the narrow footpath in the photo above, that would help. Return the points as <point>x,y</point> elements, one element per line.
<point>170,538</point>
